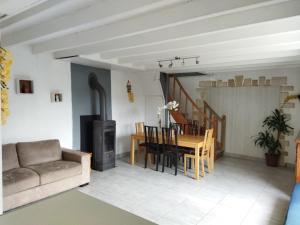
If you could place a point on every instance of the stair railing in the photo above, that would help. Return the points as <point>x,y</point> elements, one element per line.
<point>218,123</point>
<point>205,116</point>
<point>186,105</point>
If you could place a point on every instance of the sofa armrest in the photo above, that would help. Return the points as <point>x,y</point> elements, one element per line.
<point>74,155</point>
<point>81,157</point>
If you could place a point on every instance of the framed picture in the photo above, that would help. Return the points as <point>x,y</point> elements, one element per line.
<point>56,96</point>
<point>24,86</point>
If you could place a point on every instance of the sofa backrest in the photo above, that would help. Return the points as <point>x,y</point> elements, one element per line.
<point>9,157</point>
<point>31,153</point>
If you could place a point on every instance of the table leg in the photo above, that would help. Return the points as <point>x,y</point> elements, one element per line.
<point>212,156</point>
<point>197,163</point>
<point>132,151</point>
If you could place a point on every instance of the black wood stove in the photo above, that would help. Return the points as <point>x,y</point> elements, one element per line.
<point>98,135</point>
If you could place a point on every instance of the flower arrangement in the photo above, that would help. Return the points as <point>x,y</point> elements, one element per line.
<point>170,106</point>
<point>5,64</point>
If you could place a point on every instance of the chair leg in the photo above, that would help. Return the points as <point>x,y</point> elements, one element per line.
<point>146,159</point>
<point>163,164</point>
<point>202,165</point>
<point>184,164</point>
<point>190,163</point>
<point>208,165</point>
<point>193,164</point>
<point>150,159</point>
<point>157,161</point>
<point>176,164</point>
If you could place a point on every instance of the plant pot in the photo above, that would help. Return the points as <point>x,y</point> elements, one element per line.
<point>272,159</point>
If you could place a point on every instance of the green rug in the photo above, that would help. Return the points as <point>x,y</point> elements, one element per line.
<point>71,208</point>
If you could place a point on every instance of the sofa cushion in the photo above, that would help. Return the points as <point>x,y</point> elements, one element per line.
<point>31,153</point>
<point>9,157</point>
<point>56,170</point>
<point>19,179</point>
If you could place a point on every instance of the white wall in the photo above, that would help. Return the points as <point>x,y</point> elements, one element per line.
<point>33,116</point>
<point>125,113</point>
<point>245,109</point>
<point>293,75</point>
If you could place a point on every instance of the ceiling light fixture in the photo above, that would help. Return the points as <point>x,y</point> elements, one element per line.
<point>177,58</point>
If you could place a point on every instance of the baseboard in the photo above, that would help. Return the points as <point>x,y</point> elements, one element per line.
<point>123,155</point>
<point>252,158</point>
<point>239,156</point>
<point>290,165</point>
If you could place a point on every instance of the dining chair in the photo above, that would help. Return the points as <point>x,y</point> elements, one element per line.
<point>170,148</point>
<point>139,129</point>
<point>179,127</point>
<point>190,129</point>
<point>204,152</point>
<point>152,144</point>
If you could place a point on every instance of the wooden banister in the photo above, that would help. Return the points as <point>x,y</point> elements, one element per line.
<point>206,105</point>
<point>188,98</point>
<point>206,116</point>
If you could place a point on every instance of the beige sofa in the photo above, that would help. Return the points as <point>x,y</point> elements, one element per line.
<point>35,170</point>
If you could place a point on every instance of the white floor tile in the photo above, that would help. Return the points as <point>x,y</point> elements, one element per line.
<point>238,192</point>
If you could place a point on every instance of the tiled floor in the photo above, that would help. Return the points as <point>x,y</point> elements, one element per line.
<point>237,192</point>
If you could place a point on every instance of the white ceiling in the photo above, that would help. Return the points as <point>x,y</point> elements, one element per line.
<point>12,7</point>
<point>225,34</point>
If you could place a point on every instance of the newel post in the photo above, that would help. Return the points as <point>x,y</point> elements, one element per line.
<point>223,132</point>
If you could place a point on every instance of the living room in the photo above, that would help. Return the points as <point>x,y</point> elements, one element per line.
<point>65,64</point>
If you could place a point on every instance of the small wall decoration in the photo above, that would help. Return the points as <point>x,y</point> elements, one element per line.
<point>5,64</point>
<point>129,91</point>
<point>56,96</point>
<point>291,97</point>
<point>24,86</point>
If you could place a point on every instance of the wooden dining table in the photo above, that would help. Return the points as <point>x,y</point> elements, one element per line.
<point>190,141</point>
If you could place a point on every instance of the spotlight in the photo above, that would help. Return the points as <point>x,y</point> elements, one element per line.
<point>160,65</point>
<point>197,60</point>
<point>182,62</point>
<point>171,64</point>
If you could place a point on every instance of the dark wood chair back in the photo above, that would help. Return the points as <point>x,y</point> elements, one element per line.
<point>169,138</point>
<point>191,129</point>
<point>151,137</point>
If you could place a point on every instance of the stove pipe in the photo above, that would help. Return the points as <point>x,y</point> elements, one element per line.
<point>95,85</point>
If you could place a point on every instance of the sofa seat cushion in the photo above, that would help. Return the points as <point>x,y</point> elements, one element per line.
<point>32,153</point>
<point>56,170</point>
<point>19,179</point>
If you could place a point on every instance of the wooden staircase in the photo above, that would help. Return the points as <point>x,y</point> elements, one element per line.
<point>190,112</point>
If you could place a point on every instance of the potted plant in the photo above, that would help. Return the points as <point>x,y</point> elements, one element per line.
<point>275,125</point>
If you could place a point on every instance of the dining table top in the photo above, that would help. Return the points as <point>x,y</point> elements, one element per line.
<point>191,141</point>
